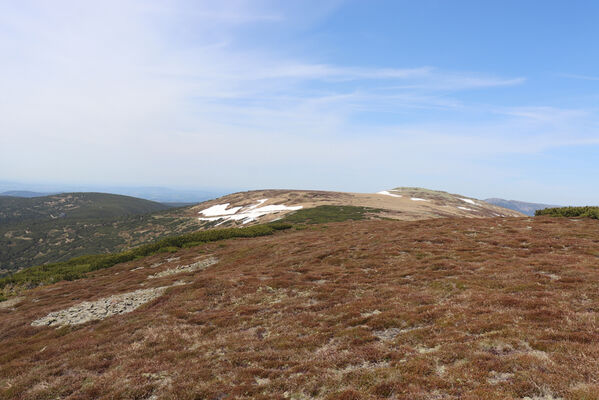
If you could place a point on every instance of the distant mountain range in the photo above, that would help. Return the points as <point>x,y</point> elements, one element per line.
<point>23,193</point>
<point>520,206</point>
<point>154,193</point>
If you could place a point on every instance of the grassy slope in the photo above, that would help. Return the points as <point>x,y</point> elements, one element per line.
<point>61,239</point>
<point>437,309</point>
<point>88,223</point>
<point>77,267</point>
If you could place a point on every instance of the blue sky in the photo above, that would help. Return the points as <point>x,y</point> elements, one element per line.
<point>487,99</point>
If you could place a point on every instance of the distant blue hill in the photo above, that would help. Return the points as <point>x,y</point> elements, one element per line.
<point>521,206</point>
<point>154,193</point>
<point>23,193</point>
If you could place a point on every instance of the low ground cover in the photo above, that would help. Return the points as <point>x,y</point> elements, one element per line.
<point>329,213</point>
<point>78,267</point>
<point>437,309</point>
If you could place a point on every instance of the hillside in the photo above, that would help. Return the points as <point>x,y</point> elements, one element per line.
<point>73,205</point>
<point>520,206</point>
<point>53,228</point>
<point>90,228</point>
<point>451,308</point>
<point>400,203</point>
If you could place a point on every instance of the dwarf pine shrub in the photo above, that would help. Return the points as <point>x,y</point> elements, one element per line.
<point>77,267</point>
<point>572,212</point>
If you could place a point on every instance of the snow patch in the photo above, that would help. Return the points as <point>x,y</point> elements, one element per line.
<point>247,214</point>
<point>386,193</point>
<point>469,201</point>
<point>219,209</point>
<point>465,209</point>
<point>418,199</point>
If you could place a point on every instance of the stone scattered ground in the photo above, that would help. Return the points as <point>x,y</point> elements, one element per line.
<point>196,266</point>
<point>116,304</point>
<point>100,309</point>
<point>10,303</point>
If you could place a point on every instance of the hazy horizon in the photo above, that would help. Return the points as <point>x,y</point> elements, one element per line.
<point>481,99</point>
<point>165,193</point>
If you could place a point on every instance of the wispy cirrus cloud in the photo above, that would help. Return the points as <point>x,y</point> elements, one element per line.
<point>582,77</point>
<point>545,114</point>
<point>172,63</point>
<point>167,91</point>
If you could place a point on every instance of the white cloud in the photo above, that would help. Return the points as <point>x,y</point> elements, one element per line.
<point>157,92</point>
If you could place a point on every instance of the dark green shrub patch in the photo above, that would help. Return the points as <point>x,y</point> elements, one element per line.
<point>77,267</point>
<point>572,212</point>
<point>324,214</point>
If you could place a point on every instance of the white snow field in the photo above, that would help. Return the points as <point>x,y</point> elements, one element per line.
<point>219,209</point>
<point>387,193</point>
<point>469,201</point>
<point>247,214</point>
<point>418,199</point>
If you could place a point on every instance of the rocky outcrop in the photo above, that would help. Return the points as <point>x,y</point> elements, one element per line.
<point>10,303</point>
<point>100,309</point>
<point>119,303</point>
<point>200,265</point>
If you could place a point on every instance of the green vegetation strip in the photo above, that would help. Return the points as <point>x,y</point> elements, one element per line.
<point>324,214</point>
<point>590,212</point>
<point>77,267</point>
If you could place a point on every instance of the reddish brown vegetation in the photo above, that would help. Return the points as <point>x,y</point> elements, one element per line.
<point>437,309</point>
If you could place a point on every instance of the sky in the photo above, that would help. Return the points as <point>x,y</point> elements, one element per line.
<point>485,99</point>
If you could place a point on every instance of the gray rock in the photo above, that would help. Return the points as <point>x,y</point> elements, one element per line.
<point>200,265</point>
<point>100,309</point>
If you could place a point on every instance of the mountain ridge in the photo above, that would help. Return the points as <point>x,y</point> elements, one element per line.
<point>30,242</point>
<point>404,203</point>
<point>24,193</point>
<point>520,206</point>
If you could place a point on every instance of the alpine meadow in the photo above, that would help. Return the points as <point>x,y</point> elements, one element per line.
<point>307,200</point>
